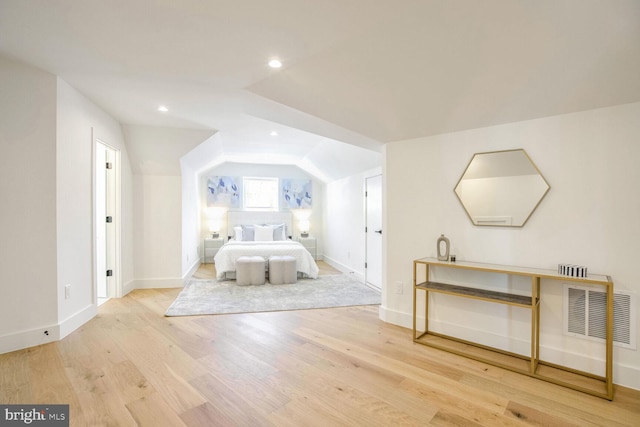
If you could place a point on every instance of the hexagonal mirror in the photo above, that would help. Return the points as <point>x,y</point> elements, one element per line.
<point>501,188</point>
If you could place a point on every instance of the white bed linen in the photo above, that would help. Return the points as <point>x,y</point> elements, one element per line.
<point>227,255</point>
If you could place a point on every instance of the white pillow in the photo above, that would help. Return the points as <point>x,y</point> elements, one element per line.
<point>238,233</point>
<point>263,233</point>
<point>279,232</point>
<point>248,232</point>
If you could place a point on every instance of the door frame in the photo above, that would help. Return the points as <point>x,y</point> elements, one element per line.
<point>114,291</point>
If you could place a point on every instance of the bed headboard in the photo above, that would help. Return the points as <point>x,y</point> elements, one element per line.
<point>235,218</point>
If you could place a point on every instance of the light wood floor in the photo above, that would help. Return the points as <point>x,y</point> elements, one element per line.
<point>132,366</point>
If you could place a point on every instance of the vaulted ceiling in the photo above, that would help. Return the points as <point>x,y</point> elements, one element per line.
<point>356,73</point>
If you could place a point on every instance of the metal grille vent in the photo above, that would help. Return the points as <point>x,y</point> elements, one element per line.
<point>585,315</point>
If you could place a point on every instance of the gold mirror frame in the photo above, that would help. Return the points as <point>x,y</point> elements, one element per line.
<point>501,188</point>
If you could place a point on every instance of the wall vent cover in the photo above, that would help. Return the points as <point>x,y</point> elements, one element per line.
<point>585,315</point>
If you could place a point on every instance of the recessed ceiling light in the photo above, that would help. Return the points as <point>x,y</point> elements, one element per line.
<point>163,108</point>
<point>274,133</point>
<point>275,63</point>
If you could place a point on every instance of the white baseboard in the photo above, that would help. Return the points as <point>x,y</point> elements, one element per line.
<point>177,282</point>
<point>76,320</point>
<point>128,287</point>
<point>624,375</point>
<point>169,282</point>
<point>37,336</point>
<point>154,283</point>
<point>396,317</point>
<point>31,338</point>
<point>192,270</point>
<point>343,268</point>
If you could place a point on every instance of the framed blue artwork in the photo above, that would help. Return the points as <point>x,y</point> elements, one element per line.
<point>223,191</point>
<point>296,193</point>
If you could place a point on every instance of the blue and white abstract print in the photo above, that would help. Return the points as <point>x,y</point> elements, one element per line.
<point>223,191</point>
<point>296,193</point>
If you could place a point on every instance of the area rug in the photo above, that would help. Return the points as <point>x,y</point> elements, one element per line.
<point>225,297</point>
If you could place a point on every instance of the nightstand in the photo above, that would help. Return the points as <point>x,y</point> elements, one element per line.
<point>211,247</point>
<point>310,243</point>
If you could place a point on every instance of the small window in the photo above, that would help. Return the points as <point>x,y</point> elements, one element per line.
<point>260,194</point>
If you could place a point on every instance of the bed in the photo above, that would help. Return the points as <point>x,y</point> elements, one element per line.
<point>226,257</point>
<point>254,234</point>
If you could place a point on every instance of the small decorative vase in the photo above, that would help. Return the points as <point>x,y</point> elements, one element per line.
<point>443,253</point>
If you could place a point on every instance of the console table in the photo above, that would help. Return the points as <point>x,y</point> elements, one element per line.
<point>528,365</point>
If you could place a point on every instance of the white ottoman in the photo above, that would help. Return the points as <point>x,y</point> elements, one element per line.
<point>282,270</point>
<point>250,270</point>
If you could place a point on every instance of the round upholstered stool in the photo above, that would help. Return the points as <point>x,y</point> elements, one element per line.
<point>282,270</point>
<point>250,270</point>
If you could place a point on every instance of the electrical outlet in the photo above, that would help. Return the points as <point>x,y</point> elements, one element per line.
<point>399,287</point>
<point>67,291</point>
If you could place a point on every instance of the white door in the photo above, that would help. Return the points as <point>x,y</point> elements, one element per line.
<point>106,245</point>
<point>373,263</point>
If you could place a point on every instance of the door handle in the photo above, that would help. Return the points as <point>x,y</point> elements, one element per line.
<point>379,231</point>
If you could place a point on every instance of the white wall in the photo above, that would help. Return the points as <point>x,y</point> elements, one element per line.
<point>46,180</point>
<point>344,219</point>
<point>589,217</point>
<point>28,264</point>
<point>191,204</point>
<point>78,121</point>
<point>190,221</point>
<point>158,231</point>
<point>165,251</point>
<point>155,150</point>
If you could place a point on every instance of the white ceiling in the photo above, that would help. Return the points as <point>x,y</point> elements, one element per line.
<point>356,74</point>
